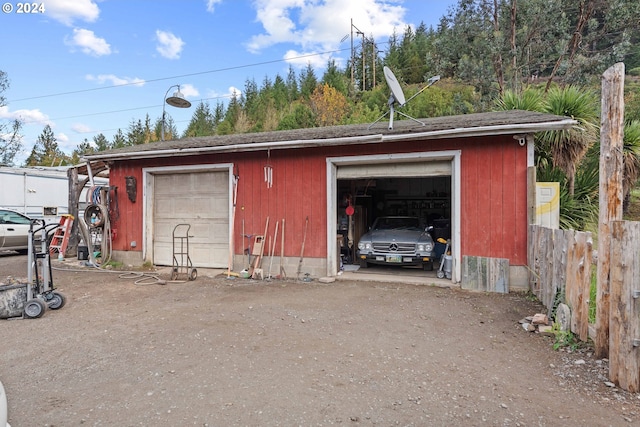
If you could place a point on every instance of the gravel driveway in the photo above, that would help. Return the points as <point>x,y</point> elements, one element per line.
<point>223,352</point>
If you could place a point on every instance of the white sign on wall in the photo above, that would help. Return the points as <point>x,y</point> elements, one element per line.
<point>548,204</point>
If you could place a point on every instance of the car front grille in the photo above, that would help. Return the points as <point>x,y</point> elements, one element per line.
<point>394,248</point>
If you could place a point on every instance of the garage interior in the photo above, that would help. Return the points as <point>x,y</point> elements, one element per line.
<point>428,198</point>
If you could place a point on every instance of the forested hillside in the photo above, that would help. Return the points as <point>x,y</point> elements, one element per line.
<point>482,49</point>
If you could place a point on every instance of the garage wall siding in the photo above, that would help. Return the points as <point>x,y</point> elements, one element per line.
<point>129,230</point>
<point>494,197</point>
<point>493,194</point>
<point>298,191</point>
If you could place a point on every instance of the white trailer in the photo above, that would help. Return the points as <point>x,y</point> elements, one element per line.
<point>39,192</point>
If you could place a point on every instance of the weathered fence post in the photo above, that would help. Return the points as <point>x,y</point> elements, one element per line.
<point>610,205</point>
<point>579,255</point>
<point>624,329</point>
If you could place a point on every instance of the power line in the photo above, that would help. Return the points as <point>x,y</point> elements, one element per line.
<point>115,111</point>
<point>237,67</point>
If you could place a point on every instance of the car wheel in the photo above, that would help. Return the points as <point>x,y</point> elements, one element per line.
<point>363,264</point>
<point>428,266</point>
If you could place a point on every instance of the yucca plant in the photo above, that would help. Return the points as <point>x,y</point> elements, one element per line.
<point>530,99</point>
<point>568,147</point>
<point>631,157</point>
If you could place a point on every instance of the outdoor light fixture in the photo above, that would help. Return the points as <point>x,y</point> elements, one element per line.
<point>176,100</point>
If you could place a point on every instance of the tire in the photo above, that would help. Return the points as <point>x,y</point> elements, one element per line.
<point>440,274</point>
<point>363,263</point>
<point>193,274</point>
<point>428,266</point>
<point>34,308</point>
<point>57,301</point>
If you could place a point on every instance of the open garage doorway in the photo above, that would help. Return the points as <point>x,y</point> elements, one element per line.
<point>428,199</point>
<point>424,186</point>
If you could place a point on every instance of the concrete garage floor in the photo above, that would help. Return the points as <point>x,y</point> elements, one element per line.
<point>382,273</point>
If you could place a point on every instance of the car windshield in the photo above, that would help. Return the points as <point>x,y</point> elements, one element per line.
<point>397,223</point>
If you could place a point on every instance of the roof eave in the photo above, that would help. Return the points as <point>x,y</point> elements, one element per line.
<point>510,129</point>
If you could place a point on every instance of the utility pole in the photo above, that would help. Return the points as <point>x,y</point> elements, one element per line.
<point>353,55</point>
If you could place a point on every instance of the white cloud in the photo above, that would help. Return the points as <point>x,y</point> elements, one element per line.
<point>319,26</point>
<point>189,91</point>
<point>301,59</point>
<point>27,117</point>
<point>115,80</point>
<point>233,91</point>
<point>81,128</point>
<point>211,4</point>
<point>213,94</point>
<point>62,137</point>
<point>169,45</point>
<point>67,11</point>
<point>88,42</point>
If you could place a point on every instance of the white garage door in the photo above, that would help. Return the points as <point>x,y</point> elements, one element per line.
<point>395,169</point>
<point>200,199</point>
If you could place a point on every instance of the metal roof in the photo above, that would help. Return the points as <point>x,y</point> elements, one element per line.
<point>510,122</point>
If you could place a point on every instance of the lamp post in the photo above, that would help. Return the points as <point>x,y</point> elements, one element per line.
<point>176,100</point>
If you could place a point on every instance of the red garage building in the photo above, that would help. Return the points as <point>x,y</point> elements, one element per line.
<point>470,176</point>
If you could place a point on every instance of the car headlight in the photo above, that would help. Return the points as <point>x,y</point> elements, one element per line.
<point>424,247</point>
<point>364,245</point>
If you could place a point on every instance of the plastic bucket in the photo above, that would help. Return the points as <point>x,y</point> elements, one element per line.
<point>12,300</point>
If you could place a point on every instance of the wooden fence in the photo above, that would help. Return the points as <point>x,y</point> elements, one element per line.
<point>561,265</point>
<point>624,308</point>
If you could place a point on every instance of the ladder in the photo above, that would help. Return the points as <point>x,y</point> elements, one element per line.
<point>60,238</point>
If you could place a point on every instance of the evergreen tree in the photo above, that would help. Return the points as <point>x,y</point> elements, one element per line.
<point>292,85</point>
<point>279,91</point>
<point>82,149</point>
<point>300,118</point>
<point>202,122</point>
<point>136,134</point>
<point>218,114</point>
<point>46,151</point>
<point>228,124</point>
<point>119,140</point>
<point>308,81</point>
<point>101,143</point>
<point>335,78</point>
<point>249,99</point>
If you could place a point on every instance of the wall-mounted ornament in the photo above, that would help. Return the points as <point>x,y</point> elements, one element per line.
<point>132,187</point>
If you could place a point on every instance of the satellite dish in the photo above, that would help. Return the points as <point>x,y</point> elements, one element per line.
<point>397,96</point>
<point>396,90</point>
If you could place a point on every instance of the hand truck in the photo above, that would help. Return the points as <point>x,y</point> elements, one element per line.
<point>40,290</point>
<point>181,260</point>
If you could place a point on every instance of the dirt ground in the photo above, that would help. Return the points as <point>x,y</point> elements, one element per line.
<point>227,352</point>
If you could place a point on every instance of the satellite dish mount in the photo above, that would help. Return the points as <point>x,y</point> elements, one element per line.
<point>397,97</point>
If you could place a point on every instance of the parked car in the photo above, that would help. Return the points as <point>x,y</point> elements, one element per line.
<point>397,240</point>
<point>14,231</point>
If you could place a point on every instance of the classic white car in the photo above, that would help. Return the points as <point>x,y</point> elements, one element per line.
<point>397,240</point>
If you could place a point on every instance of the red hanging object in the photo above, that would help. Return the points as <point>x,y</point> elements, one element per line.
<point>350,210</point>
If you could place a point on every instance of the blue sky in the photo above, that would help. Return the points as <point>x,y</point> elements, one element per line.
<point>93,66</point>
